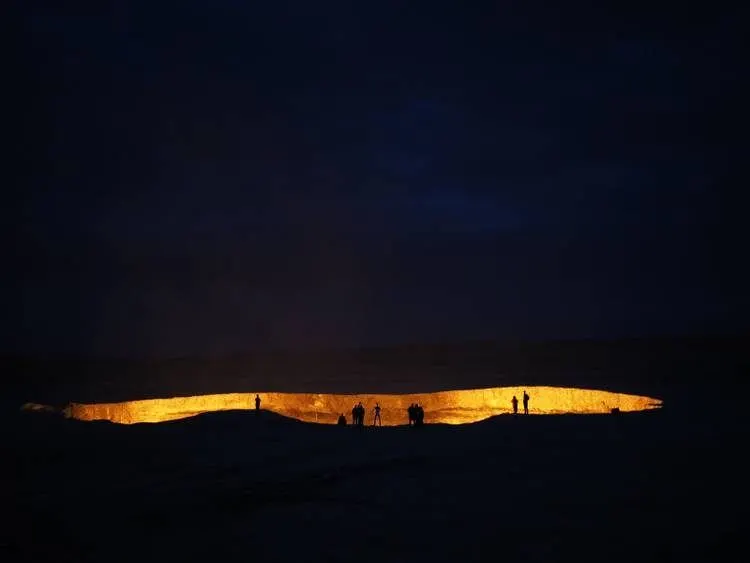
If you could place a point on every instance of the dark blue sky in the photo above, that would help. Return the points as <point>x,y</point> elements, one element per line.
<point>222,176</point>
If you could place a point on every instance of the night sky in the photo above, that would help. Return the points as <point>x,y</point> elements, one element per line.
<point>221,177</point>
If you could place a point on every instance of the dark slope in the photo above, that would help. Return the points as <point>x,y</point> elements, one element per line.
<point>232,486</point>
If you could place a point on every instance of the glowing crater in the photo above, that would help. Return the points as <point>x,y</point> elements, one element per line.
<point>448,407</point>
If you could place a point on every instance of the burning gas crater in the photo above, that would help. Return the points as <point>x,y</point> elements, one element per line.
<point>448,407</point>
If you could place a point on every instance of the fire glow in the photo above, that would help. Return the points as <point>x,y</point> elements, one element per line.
<point>447,407</point>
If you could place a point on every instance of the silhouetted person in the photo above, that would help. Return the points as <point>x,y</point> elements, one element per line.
<point>377,416</point>
<point>412,414</point>
<point>257,403</point>
<point>355,411</point>
<point>525,403</point>
<point>342,420</point>
<point>514,401</point>
<point>419,412</point>
<point>360,414</point>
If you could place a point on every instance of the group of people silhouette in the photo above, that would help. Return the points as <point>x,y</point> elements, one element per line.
<point>415,411</point>
<point>358,416</point>
<point>514,402</point>
<point>416,414</point>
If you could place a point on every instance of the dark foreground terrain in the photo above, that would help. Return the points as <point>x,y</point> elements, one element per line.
<point>236,486</point>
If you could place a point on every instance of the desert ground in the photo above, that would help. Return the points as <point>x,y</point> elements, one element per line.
<point>663,485</point>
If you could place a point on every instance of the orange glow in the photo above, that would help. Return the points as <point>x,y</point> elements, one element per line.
<point>449,407</point>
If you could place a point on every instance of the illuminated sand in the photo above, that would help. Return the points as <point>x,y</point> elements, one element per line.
<point>448,407</point>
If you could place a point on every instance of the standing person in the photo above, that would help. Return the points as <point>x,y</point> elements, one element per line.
<point>514,402</point>
<point>257,402</point>
<point>355,411</point>
<point>525,402</point>
<point>377,416</point>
